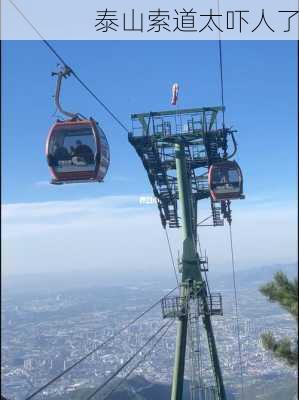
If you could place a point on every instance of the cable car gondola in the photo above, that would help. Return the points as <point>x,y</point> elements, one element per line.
<point>225,181</point>
<point>77,149</point>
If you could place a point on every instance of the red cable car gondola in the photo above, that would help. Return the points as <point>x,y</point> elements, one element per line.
<point>77,149</point>
<point>225,181</point>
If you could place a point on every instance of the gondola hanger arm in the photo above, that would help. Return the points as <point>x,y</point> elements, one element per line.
<point>63,73</point>
<point>234,144</point>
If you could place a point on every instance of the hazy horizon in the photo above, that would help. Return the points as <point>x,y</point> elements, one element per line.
<point>93,278</point>
<point>89,233</point>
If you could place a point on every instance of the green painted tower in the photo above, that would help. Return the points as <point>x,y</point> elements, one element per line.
<point>177,149</point>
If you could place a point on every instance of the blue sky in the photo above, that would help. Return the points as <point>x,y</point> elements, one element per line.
<point>130,77</point>
<point>260,96</point>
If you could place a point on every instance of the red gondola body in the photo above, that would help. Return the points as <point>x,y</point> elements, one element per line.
<point>225,181</point>
<point>87,162</point>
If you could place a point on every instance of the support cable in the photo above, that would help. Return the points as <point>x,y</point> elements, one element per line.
<point>171,256</point>
<point>140,361</point>
<point>236,311</point>
<point>204,220</point>
<point>221,79</point>
<point>221,66</point>
<point>51,48</point>
<point>230,228</point>
<point>96,348</point>
<point>126,363</point>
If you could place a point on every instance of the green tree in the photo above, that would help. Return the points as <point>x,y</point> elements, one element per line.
<point>284,292</point>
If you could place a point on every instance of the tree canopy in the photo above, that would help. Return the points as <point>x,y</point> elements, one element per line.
<point>284,292</point>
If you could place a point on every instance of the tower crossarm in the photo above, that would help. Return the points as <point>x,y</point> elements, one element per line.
<point>154,137</point>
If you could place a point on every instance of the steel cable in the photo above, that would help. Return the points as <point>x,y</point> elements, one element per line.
<point>95,349</point>
<point>171,256</point>
<point>51,48</point>
<point>236,311</point>
<point>221,65</point>
<point>140,361</point>
<point>126,363</point>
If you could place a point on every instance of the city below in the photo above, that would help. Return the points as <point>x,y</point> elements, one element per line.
<point>45,333</point>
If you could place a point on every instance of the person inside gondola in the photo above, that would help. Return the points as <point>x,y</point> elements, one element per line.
<point>219,178</point>
<point>83,151</point>
<point>61,153</point>
<point>223,179</point>
<point>233,178</point>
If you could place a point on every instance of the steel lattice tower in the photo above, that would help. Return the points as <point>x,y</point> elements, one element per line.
<point>176,148</point>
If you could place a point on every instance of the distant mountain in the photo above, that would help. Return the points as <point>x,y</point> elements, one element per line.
<point>45,283</point>
<point>280,389</point>
<point>136,388</point>
<point>253,277</point>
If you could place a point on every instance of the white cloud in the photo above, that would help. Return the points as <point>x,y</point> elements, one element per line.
<point>28,211</point>
<point>118,233</point>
